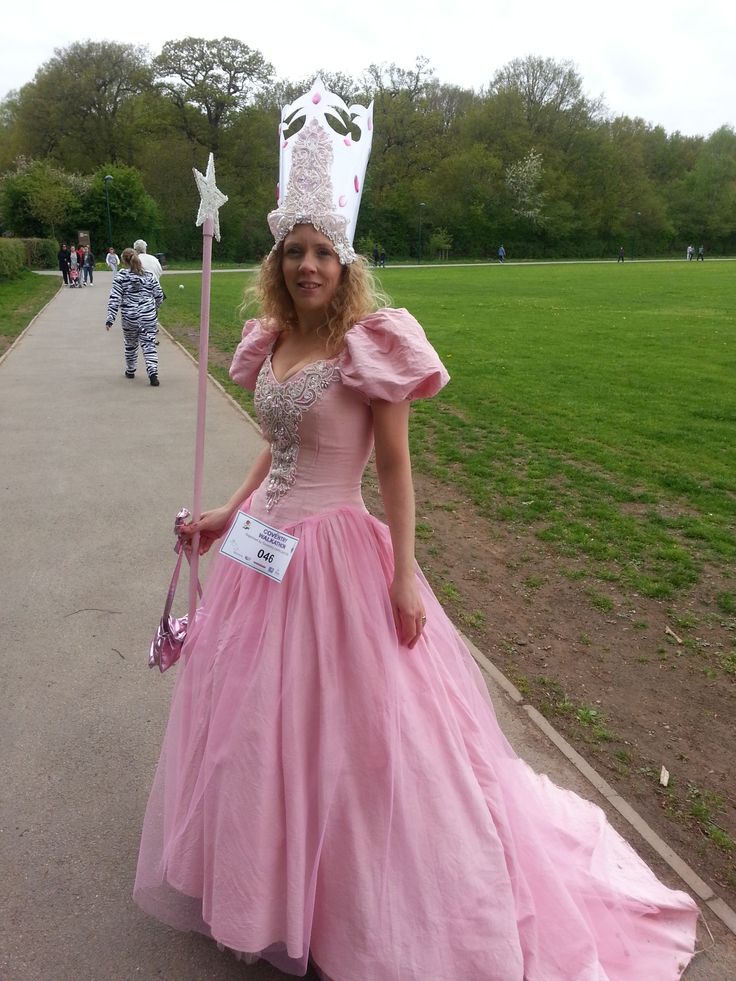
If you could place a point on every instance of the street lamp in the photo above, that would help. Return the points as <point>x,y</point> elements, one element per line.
<point>108,178</point>
<point>422,205</point>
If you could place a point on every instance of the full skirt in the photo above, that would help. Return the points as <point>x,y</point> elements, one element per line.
<point>323,790</point>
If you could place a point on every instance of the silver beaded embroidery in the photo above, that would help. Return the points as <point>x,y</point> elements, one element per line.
<point>280,409</point>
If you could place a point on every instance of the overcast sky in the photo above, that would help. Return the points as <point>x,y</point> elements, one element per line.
<point>671,63</point>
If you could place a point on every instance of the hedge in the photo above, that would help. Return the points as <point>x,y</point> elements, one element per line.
<point>17,254</point>
<point>12,258</point>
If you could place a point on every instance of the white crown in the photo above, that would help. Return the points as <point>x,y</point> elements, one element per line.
<point>321,171</point>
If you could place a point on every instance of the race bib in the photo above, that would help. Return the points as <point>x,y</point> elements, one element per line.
<point>259,546</point>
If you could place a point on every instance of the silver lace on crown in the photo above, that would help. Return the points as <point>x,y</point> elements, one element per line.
<point>309,195</point>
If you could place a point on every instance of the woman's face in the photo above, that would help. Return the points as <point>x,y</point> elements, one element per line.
<point>312,272</point>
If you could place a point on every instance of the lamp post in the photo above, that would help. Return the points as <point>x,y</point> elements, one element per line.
<point>108,178</point>
<point>422,205</point>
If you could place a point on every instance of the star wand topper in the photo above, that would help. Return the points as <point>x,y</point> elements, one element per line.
<point>211,200</point>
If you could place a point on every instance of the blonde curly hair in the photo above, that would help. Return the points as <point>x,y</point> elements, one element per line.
<point>357,295</point>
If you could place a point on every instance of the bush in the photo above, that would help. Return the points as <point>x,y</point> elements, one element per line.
<point>12,258</point>
<point>41,253</point>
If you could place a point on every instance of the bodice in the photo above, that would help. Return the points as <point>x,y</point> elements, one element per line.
<point>319,421</point>
<point>321,436</point>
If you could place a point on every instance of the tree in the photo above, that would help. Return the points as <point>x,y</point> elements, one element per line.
<point>440,243</point>
<point>39,199</point>
<point>523,179</point>
<point>71,111</point>
<point>216,78</point>
<point>133,211</point>
<point>549,90</point>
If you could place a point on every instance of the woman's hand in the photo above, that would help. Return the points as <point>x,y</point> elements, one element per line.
<point>408,610</point>
<point>210,526</point>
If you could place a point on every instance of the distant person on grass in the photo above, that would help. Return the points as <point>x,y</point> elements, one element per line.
<point>701,253</point>
<point>620,254</point>
<point>501,254</point>
<point>138,295</point>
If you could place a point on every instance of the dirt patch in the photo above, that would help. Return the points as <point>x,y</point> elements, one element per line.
<point>633,683</point>
<point>188,337</point>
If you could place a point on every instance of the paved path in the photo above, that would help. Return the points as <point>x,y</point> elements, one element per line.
<point>92,469</point>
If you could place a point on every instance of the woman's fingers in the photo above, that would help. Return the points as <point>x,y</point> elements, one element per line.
<point>409,625</point>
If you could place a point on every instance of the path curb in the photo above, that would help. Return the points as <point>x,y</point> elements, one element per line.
<point>678,865</point>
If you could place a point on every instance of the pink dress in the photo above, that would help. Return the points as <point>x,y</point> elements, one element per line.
<point>324,791</point>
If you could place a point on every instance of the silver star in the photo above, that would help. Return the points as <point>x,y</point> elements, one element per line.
<point>212,198</point>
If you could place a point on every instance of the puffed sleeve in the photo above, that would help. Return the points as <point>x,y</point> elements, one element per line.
<point>255,346</point>
<point>387,356</point>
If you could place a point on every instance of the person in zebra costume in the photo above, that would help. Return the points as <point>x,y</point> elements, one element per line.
<point>138,295</point>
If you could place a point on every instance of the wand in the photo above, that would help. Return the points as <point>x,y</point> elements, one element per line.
<point>211,200</point>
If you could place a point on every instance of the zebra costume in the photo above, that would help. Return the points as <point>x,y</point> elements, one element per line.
<point>138,298</point>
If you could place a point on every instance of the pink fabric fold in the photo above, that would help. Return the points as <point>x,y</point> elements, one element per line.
<point>387,356</point>
<point>255,346</point>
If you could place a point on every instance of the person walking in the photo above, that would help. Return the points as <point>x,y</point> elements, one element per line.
<point>137,294</point>
<point>701,253</point>
<point>88,266</point>
<point>64,259</point>
<point>74,267</point>
<point>149,262</point>
<point>501,253</point>
<point>112,259</point>
<point>333,784</point>
<point>620,254</point>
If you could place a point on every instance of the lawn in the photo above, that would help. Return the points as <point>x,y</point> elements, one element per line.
<point>594,403</point>
<point>20,301</point>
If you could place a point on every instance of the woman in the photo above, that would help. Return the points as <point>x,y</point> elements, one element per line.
<point>138,295</point>
<point>88,266</point>
<point>333,782</point>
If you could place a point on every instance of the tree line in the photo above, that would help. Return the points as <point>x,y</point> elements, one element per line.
<point>529,160</point>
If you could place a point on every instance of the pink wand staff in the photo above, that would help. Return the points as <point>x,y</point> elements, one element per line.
<point>212,199</point>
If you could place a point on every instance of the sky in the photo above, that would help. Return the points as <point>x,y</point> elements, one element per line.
<point>671,63</point>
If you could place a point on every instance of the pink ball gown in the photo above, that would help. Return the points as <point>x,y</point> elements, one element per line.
<point>324,791</point>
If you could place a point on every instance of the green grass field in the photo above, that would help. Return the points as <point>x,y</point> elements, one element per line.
<point>20,301</point>
<point>594,403</point>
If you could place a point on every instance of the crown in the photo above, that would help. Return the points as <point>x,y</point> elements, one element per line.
<point>322,167</point>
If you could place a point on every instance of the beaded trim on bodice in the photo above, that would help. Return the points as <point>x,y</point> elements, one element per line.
<point>280,408</point>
